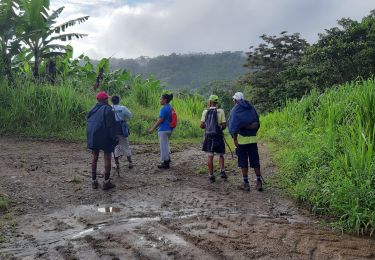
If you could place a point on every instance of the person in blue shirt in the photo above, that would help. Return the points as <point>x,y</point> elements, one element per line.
<point>164,129</point>
<point>122,116</point>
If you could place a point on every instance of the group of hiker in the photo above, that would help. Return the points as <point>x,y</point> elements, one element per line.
<point>108,131</point>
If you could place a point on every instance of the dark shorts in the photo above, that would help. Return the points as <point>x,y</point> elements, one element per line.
<point>214,144</point>
<point>248,153</point>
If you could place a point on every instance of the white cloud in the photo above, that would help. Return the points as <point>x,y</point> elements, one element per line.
<point>158,27</point>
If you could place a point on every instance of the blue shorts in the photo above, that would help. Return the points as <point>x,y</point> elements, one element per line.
<point>248,153</point>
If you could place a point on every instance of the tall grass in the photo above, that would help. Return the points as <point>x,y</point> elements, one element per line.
<point>324,146</point>
<point>36,110</point>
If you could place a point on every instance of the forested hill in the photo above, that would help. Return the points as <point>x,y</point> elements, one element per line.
<point>191,71</point>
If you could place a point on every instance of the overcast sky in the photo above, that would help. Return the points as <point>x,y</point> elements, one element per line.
<point>133,28</point>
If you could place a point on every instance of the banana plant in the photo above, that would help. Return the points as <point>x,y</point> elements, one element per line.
<point>40,32</point>
<point>9,24</point>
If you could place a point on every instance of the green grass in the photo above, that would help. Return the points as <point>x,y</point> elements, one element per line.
<point>324,148</point>
<point>4,203</point>
<point>59,112</point>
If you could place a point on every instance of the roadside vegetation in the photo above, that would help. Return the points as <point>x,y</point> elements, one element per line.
<point>324,148</point>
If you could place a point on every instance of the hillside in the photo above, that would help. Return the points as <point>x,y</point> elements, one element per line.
<point>189,71</point>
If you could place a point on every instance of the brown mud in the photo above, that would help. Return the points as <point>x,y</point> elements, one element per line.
<point>152,213</point>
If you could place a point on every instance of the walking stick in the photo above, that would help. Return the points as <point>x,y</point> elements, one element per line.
<point>230,149</point>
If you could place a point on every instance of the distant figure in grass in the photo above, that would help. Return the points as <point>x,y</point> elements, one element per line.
<point>122,116</point>
<point>101,124</point>
<point>243,125</point>
<point>165,125</point>
<point>213,122</point>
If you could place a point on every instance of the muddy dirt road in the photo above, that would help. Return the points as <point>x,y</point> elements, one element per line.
<point>151,214</point>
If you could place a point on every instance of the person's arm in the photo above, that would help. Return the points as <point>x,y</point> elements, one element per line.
<point>127,113</point>
<point>254,125</point>
<point>223,121</point>
<point>203,119</point>
<point>162,116</point>
<point>156,125</point>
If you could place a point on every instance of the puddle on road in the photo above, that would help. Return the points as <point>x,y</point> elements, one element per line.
<point>109,210</point>
<point>88,231</point>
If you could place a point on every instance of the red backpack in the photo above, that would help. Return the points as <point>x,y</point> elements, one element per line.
<point>174,119</point>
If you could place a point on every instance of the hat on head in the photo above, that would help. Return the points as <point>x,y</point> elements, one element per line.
<point>213,98</point>
<point>102,95</point>
<point>238,96</point>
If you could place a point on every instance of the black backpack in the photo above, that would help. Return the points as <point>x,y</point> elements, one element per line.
<point>211,125</point>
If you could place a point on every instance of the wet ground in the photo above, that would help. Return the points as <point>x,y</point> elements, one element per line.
<point>151,214</point>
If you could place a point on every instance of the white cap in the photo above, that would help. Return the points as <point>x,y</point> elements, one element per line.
<point>238,96</point>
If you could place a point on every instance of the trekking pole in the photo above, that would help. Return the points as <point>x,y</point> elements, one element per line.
<point>230,149</point>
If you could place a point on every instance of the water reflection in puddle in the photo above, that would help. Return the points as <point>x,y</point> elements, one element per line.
<point>88,231</point>
<point>109,210</point>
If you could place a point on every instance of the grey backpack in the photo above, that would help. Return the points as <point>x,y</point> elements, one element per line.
<point>211,124</point>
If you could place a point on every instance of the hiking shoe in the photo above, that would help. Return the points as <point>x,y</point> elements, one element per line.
<point>211,178</point>
<point>130,166</point>
<point>95,184</point>
<point>259,184</point>
<point>108,185</point>
<point>164,165</point>
<point>245,186</point>
<point>224,175</point>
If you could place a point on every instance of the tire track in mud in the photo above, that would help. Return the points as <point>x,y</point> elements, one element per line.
<point>172,214</point>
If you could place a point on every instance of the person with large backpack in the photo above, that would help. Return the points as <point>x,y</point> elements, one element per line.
<point>101,136</point>
<point>243,125</point>
<point>122,116</point>
<point>213,122</point>
<point>165,124</point>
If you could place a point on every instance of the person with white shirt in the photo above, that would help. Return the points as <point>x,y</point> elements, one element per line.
<point>122,116</point>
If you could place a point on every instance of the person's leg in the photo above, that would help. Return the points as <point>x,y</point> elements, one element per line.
<point>221,162</point>
<point>210,165</point>
<point>254,163</point>
<point>243,164</point>
<point>107,165</point>
<point>164,149</point>
<point>128,152</point>
<point>222,167</point>
<point>94,163</point>
<point>169,134</point>
<point>119,151</point>
<point>107,168</point>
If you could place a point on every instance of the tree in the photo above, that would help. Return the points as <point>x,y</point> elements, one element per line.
<point>266,62</point>
<point>342,53</point>
<point>9,45</point>
<point>40,31</point>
